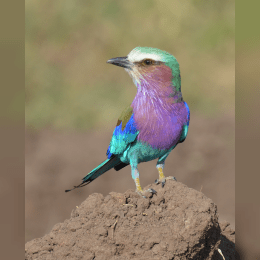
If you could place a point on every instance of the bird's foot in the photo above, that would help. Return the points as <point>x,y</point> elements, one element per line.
<point>163,180</point>
<point>146,193</point>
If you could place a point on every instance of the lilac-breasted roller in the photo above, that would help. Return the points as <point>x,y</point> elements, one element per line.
<point>155,122</point>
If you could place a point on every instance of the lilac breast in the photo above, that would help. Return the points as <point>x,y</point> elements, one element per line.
<point>159,120</point>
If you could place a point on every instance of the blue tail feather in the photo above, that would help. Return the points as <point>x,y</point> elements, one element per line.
<point>102,168</point>
<point>99,170</point>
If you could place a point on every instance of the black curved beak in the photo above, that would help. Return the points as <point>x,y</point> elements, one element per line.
<point>122,62</point>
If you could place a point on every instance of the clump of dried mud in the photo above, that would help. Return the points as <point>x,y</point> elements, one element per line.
<point>175,223</point>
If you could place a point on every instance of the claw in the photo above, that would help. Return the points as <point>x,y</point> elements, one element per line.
<point>141,193</point>
<point>163,181</point>
<point>152,191</point>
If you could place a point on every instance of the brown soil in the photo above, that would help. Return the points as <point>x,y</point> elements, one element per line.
<point>175,223</point>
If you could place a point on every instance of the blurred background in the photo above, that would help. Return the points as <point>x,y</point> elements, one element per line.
<point>73,98</point>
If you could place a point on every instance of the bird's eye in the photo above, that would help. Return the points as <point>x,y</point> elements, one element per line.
<point>148,62</point>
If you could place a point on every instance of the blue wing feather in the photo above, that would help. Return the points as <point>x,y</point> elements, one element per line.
<point>122,137</point>
<point>186,126</point>
<point>188,117</point>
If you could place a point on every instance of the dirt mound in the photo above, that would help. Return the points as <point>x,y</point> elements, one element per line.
<point>175,223</point>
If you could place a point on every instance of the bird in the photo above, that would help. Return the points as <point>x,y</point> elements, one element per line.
<point>156,121</point>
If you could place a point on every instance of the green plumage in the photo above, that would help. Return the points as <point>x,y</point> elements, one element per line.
<point>184,133</point>
<point>123,136</point>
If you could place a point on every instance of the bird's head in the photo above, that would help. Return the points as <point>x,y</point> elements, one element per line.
<point>150,66</point>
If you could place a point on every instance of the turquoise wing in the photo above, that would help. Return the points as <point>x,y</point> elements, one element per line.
<point>124,134</point>
<point>186,126</point>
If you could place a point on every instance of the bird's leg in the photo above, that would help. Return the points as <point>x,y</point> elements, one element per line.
<point>160,170</point>
<point>139,190</point>
<point>135,176</point>
<point>162,178</point>
<point>138,186</point>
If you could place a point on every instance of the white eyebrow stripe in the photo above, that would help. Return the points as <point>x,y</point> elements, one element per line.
<point>135,56</point>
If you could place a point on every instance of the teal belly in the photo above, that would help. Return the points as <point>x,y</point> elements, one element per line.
<point>139,152</point>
